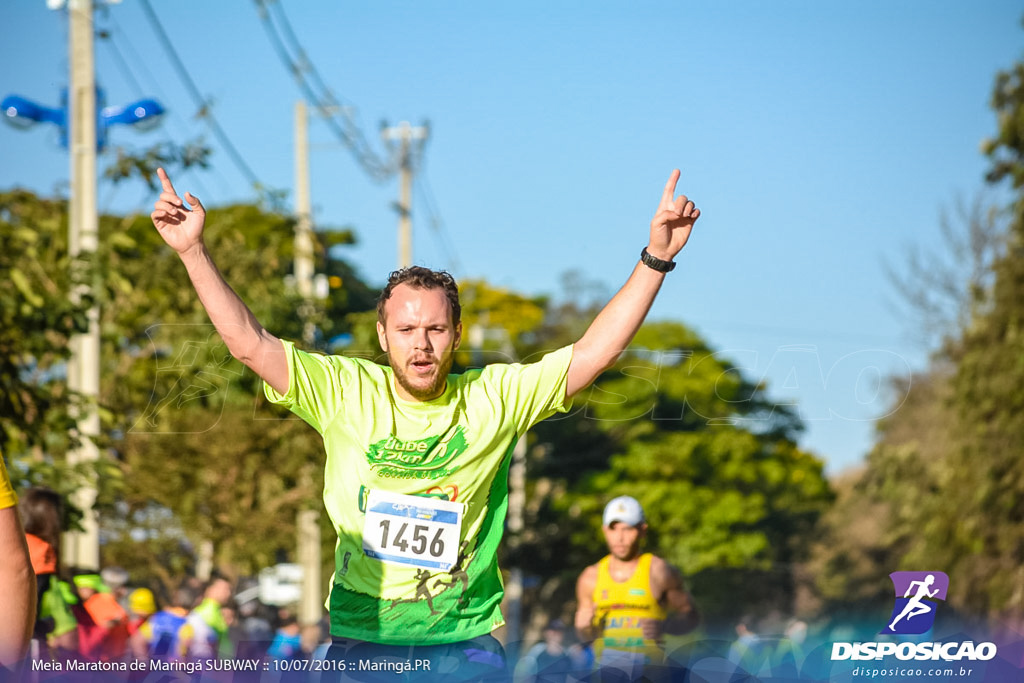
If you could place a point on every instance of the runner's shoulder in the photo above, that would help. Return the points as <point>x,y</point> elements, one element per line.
<point>588,577</point>
<point>664,574</point>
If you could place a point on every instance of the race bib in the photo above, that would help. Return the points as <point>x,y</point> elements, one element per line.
<point>412,530</point>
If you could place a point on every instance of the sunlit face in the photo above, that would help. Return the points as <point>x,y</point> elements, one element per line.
<point>624,540</point>
<point>420,339</point>
<point>220,590</point>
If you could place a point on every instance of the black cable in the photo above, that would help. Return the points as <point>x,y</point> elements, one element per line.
<point>114,37</point>
<point>327,104</point>
<point>206,112</point>
<point>437,223</point>
<point>126,72</point>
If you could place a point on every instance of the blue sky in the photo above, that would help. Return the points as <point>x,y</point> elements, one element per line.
<point>820,139</point>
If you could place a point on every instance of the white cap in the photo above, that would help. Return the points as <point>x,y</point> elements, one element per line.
<point>623,509</point>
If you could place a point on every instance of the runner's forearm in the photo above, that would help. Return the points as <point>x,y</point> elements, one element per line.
<point>681,623</point>
<point>245,337</point>
<point>614,328</point>
<point>234,321</point>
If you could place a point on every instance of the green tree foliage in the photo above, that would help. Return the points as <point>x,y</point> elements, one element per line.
<point>946,476</point>
<point>988,398</point>
<point>37,320</point>
<point>882,509</point>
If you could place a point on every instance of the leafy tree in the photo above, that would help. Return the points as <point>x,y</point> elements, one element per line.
<point>988,397</point>
<point>945,475</point>
<point>881,509</point>
<point>38,317</point>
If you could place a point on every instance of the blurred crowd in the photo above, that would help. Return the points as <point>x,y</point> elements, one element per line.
<point>100,616</point>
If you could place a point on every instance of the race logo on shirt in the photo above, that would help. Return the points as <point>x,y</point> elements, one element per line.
<point>417,459</point>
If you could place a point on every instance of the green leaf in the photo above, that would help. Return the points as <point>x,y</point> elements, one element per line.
<point>21,282</point>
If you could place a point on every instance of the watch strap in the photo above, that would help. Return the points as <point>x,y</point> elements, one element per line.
<point>655,263</point>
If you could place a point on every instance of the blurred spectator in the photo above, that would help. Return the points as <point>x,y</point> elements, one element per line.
<point>159,637</point>
<point>55,627</point>
<point>226,646</point>
<point>749,653</point>
<point>256,630</point>
<point>107,614</point>
<point>548,661</point>
<point>116,580</point>
<point>141,606</point>
<point>205,627</point>
<point>287,643</point>
<point>90,634</point>
<point>789,654</point>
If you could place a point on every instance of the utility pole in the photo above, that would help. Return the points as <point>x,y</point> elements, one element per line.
<point>307,521</point>
<point>82,548</point>
<point>304,265</point>
<point>408,155</point>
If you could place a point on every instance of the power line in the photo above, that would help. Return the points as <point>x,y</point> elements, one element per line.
<point>133,54</point>
<point>205,111</point>
<point>338,117</point>
<point>111,37</point>
<point>436,222</point>
<point>108,39</point>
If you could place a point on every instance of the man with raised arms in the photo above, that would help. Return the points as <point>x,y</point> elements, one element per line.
<point>417,459</point>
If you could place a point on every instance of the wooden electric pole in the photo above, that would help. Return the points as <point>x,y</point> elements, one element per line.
<point>82,548</point>
<point>410,144</point>
<point>307,521</point>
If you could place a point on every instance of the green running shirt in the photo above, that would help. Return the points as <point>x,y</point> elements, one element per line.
<point>451,452</point>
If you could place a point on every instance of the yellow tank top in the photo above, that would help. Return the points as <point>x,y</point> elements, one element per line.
<point>621,605</point>
<point>7,496</point>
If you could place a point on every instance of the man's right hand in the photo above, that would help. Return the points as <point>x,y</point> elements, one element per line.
<point>180,228</point>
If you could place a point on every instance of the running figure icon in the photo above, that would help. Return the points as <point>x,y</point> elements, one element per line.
<point>916,606</point>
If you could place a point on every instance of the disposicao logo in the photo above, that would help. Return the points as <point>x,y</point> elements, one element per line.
<point>917,596</point>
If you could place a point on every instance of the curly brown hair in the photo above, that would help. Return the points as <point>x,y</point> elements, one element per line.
<point>419,277</point>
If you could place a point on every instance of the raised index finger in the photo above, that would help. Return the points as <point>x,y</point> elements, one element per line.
<point>165,182</point>
<point>670,188</point>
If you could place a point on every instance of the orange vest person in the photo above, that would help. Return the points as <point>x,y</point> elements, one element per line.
<point>108,615</point>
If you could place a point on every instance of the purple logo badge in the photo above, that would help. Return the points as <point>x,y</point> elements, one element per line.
<point>916,596</point>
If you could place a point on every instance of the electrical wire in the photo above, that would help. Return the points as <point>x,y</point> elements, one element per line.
<point>436,222</point>
<point>342,122</point>
<point>337,116</point>
<point>206,112</point>
<point>109,37</point>
<point>181,126</point>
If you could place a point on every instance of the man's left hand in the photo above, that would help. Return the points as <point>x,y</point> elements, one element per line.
<point>671,225</point>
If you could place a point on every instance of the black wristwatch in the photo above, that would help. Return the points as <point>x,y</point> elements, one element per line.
<point>655,263</point>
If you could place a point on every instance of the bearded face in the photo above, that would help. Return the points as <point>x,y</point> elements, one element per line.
<point>420,339</point>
